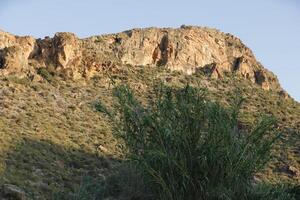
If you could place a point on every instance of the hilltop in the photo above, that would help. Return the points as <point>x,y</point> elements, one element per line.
<point>186,49</point>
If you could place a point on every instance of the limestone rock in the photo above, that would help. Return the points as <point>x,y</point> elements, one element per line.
<point>243,67</point>
<point>12,60</point>
<point>15,52</point>
<point>185,49</point>
<point>66,48</point>
<point>63,52</point>
<point>6,39</point>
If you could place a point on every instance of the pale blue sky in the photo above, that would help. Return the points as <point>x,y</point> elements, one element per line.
<point>271,28</point>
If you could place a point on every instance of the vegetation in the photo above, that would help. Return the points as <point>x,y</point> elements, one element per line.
<point>186,147</point>
<point>45,74</point>
<point>21,81</point>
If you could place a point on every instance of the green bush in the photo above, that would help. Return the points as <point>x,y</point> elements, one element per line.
<point>45,74</point>
<point>190,148</point>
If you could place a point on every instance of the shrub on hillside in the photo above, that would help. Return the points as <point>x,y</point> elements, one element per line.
<point>190,148</point>
<point>46,74</point>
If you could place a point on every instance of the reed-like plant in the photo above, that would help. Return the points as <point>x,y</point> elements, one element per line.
<point>188,147</point>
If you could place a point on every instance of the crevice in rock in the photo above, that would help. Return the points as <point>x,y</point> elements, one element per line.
<point>118,40</point>
<point>36,52</point>
<point>260,77</point>
<point>1,63</point>
<point>209,68</point>
<point>2,60</point>
<point>237,63</point>
<point>163,46</point>
<point>155,54</point>
<point>176,50</point>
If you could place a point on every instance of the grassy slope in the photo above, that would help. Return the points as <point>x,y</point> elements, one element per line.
<point>51,135</point>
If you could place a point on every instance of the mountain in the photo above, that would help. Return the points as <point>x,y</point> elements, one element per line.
<point>51,133</point>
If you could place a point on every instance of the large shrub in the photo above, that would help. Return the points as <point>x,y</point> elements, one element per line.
<point>189,148</point>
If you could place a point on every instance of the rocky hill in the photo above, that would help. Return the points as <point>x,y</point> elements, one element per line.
<point>186,49</point>
<point>52,136</point>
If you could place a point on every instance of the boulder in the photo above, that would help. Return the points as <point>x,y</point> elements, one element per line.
<point>12,60</point>
<point>243,67</point>
<point>14,53</point>
<point>66,50</point>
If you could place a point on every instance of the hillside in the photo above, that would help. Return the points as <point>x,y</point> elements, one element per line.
<point>51,133</point>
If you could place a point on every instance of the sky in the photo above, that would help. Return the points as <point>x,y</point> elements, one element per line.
<point>271,28</point>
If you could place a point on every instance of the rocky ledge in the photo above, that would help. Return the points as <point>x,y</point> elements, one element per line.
<point>187,49</point>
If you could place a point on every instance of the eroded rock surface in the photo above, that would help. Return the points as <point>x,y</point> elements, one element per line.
<point>185,49</point>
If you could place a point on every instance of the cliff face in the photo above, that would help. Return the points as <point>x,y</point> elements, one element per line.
<point>186,49</point>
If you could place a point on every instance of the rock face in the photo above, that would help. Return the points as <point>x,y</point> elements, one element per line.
<point>187,49</point>
<point>15,53</point>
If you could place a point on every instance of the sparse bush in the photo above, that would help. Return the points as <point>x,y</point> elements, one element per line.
<point>87,190</point>
<point>45,74</point>
<point>19,80</point>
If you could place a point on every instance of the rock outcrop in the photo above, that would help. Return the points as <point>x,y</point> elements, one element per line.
<point>187,49</point>
<point>15,53</point>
